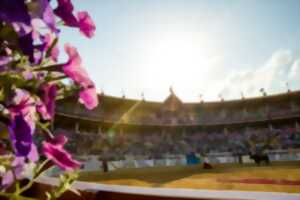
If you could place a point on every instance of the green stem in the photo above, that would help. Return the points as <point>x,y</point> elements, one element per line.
<point>58,78</point>
<point>45,129</point>
<point>30,183</point>
<point>57,67</point>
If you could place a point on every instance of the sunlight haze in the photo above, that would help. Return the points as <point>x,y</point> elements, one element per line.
<point>198,47</point>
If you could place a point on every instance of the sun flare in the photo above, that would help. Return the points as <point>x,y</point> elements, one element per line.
<point>179,59</point>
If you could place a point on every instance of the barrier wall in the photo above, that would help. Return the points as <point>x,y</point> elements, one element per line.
<point>91,162</point>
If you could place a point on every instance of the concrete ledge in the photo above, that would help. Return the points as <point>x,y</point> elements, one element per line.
<point>114,192</point>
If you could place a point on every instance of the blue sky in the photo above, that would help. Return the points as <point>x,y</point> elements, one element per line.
<point>199,47</point>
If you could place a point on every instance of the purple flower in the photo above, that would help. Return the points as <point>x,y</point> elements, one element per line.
<point>4,60</point>
<point>23,104</point>
<point>16,171</point>
<point>14,11</point>
<point>41,9</point>
<point>76,72</point>
<point>28,75</point>
<point>86,25</point>
<point>65,11</point>
<point>54,151</point>
<point>26,45</point>
<point>40,49</point>
<point>89,97</point>
<point>21,136</point>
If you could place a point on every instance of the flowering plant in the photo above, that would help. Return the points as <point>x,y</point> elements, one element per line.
<point>31,82</point>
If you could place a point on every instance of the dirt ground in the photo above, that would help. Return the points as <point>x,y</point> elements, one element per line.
<point>277,177</point>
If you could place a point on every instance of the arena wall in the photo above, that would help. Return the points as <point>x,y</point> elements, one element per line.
<point>91,162</point>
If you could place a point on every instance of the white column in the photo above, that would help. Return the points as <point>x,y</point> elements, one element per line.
<point>77,127</point>
<point>271,127</point>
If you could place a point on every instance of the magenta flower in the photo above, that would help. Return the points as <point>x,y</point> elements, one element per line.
<point>89,98</point>
<point>46,107</point>
<point>83,21</point>
<point>78,74</point>
<point>65,11</point>
<point>54,151</point>
<point>49,96</point>
<point>86,24</point>
<point>41,108</point>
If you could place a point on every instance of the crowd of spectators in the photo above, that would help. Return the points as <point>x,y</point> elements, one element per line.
<point>114,145</point>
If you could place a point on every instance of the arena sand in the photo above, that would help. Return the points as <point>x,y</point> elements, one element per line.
<point>277,177</point>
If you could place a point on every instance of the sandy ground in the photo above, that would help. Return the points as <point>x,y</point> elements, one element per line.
<point>277,177</point>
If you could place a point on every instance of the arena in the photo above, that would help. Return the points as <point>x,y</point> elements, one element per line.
<point>229,127</point>
<point>168,144</point>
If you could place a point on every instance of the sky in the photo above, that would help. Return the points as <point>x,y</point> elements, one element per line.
<point>200,48</point>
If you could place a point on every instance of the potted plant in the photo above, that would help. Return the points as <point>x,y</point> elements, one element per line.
<point>30,83</point>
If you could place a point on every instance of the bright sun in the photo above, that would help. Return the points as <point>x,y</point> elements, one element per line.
<point>179,59</point>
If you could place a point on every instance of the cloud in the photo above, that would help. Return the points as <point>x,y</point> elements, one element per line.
<point>280,68</point>
<point>295,70</point>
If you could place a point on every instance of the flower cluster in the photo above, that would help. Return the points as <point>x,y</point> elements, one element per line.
<point>31,81</point>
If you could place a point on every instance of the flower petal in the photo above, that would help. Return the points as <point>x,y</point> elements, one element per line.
<point>14,11</point>
<point>54,151</point>
<point>89,98</point>
<point>21,136</point>
<point>65,11</point>
<point>41,9</point>
<point>86,24</point>
<point>74,69</point>
<point>47,107</point>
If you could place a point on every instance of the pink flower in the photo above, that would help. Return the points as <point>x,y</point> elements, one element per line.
<point>46,107</point>
<point>73,67</point>
<point>55,53</point>
<point>78,74</point>
<point>89,98</point>
<point>48,40</point>
<point>41,108</point>
<point>33,155</point>
<point>54,151</point>
<point>86,24</point>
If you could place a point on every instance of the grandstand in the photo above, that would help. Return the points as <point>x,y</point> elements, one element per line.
<point>137,128</point>
<point>124,133</point>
